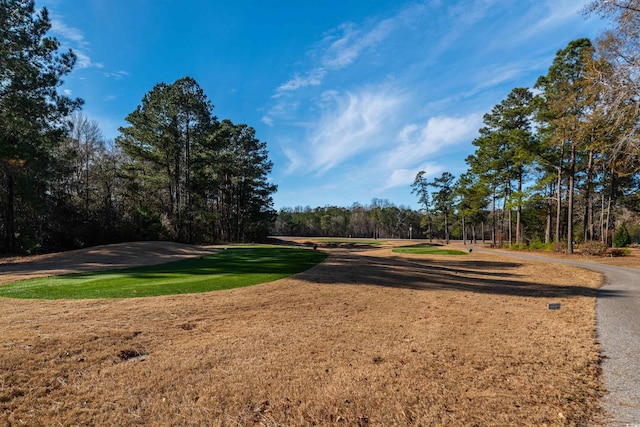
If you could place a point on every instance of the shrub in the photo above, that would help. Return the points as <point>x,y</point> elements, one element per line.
<point>519,247</point>
<point>538,245</point>
<point>560,246</point>
<point>594,248</point>
<point>622,237</point>
<point>617,252</point>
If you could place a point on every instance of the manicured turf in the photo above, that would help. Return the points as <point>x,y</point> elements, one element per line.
<point>231,268</point>
<point>427,250</point>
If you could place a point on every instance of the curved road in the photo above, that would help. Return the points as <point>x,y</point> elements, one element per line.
<point>618,328</point>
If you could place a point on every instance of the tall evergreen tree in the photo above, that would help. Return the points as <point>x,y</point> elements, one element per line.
<point>32,114</point>
<point>238,169</point>
<point>443,199</point>
<point>509,127</point>
<point>504,152</point>
<point>472,200</point>
<point>420,187</point>
<point>166,132</point>
<point>565,94</point>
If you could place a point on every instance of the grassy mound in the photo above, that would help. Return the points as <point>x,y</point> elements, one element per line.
<point>231,268</point>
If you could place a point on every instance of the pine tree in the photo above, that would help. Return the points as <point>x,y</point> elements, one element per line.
<point>32,113</point>
<point>565,104</point>
<point>166,133</point>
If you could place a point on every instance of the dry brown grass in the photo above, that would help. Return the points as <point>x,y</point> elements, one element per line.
<point>366,338</point>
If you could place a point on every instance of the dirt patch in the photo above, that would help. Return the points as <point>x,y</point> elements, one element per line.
<point>365,338</point>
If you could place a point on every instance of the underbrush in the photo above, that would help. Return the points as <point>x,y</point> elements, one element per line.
<point>594,248</point>
<point>537,245</point>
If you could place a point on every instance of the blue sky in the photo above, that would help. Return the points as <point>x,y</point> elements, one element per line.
<point>353,97</point>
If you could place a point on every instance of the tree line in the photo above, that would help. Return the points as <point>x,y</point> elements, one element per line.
<point>176,172</point>
<point>557,164</point>
<point>380,219</point>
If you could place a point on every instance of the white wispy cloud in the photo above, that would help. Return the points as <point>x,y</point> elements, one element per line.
<point>118,75</point>
<point>551,14</point>
<point>84,60</point>
<point>352,41</point>
<point>68,33</point>
<point>497,74</point>
<point>404,177</point>
<point>76,40</point>
<point>312,78</point>
<point>340,48</point>
<point>353,125</point>
<point>419,145</point>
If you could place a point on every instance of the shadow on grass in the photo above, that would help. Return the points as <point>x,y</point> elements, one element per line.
<point>430,275</point>
<point>235,261</point>
<point>237,267</point>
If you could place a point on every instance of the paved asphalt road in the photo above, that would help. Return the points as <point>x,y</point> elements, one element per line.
<point>618,326</point>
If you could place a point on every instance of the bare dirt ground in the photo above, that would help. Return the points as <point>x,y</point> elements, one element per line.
<point>368,337</point>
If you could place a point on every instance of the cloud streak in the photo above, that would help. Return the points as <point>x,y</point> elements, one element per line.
<point>76,39</point>
<point>557,14</point>
<point>353,125</point>
<point>420,145</point>
<point>118,75</point>
<point>339,50</point>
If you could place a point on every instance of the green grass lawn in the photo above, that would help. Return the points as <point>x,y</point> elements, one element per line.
<point>231,268</point>
<point>422,250</point>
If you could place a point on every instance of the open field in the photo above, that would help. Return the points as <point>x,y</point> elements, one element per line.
<point>368,337</point>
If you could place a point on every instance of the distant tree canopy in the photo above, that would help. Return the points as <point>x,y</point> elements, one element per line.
<point>381,219</point>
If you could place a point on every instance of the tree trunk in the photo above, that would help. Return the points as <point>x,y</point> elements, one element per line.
<point>609,203</point>
<point>519,212</point>
<point>10,241</point>
<point>572,172</point>
<point>558,205</point>
<point>502,228</point>
<point>493,215</point>
<point>602,230</point>
<point>587,223</point>
<point>446,227</point>
<point>547,231</point>
<point>464,232</point>
<point>188,181</point>
<point>510,228</point>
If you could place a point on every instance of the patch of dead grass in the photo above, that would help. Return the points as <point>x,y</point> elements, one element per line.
<point>366,338</point>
